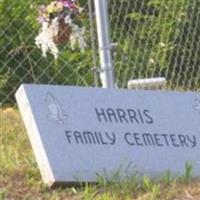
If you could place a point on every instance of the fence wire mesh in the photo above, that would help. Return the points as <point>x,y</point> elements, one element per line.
<point>156,38</point>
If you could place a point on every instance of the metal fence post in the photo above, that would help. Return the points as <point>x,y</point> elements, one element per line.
<point>106,74</point>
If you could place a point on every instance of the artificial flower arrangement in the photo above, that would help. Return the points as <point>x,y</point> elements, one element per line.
<point>58,26</point>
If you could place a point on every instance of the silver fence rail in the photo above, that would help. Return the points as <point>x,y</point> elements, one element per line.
<point>155,38</point>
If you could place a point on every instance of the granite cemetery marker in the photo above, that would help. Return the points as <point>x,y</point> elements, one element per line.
<point>77,133</point>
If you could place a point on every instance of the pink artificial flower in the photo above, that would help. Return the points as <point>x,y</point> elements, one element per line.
<point>42,19</point>
<point>68,4</point>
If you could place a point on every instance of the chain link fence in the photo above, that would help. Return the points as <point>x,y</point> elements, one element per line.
<point>156,38</point>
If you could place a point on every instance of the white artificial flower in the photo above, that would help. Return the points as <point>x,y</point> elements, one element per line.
<point>68,20</point>
<point>44,40</point>
<point>48,31</point>
<point>78,36</point>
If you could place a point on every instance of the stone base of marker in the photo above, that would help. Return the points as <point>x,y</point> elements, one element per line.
<point>147,84</point>
<point>80,133</point>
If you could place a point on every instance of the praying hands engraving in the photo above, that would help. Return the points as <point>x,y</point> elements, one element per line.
<point>55,111</point>
<point>197,105</point>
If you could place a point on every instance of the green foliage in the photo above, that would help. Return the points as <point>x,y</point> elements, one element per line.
<point>187,176</point>
<point>2,194</point>
<point>89,192</point>
<point>151,187</point>
<point>167,178</point>
<point>186,59</point>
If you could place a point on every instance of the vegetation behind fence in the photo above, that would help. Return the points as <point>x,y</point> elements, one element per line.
<point>156,38</point>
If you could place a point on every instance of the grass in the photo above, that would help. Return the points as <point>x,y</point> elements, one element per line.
<point>20,177</point>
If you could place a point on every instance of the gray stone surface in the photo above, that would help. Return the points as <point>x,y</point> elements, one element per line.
<point>79,133</point>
